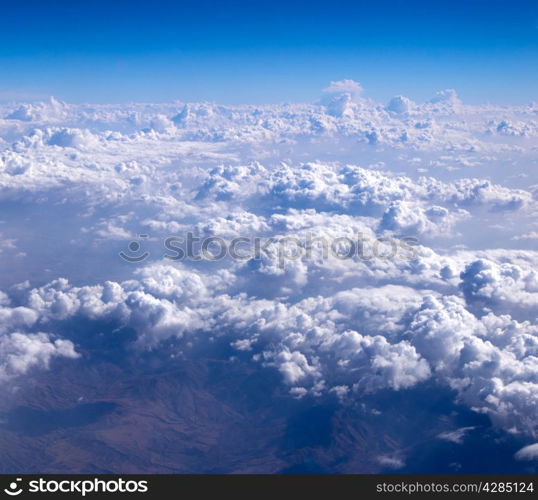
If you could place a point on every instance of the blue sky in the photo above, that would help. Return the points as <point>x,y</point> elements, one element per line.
<point>262,52</point>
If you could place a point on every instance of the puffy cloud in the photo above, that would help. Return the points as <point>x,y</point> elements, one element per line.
<point>504,287</point>
<point>447,100</point>
<point>16,317</point>
<point>491,363</point>
<point>161,123</point>
<point>514,128</point>
<point>357,340</point>
<point>72,138</point>
<point>341,98</point>
<point>400,104</point>
<point>344,86</point>
<point>20,352</point>
<point>529,452</point>
<point>42,111</point>
<point>408,218</point>
<point>358,191</point>
<point>77,180</point>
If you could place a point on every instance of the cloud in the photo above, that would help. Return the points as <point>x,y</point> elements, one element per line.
<point>533,235</point>
<point>400,105</point>
<point>21,352</point>
<point>391,462</point>
<point>485,361</point>
<point>411,219</point>
<point>456,436</point>
<point>505,287</point>
<point>490,362</point>
<point>529,452</point>
<point>448,99</point>
<point>457,311</point>
<point>51,110</point>
<point>344,87</point>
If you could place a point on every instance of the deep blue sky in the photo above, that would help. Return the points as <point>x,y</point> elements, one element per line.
<point>267,51</point>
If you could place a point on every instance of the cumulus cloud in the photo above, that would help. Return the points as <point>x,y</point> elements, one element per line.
<point>341,98</point>
<point>491,362</point>
<point>51,110</point>
<point>456,436</point>
<point>456,310</point>
<point>448,99</point>
<point>529,452</point>
<point>20,352</point>
<point>504,287</point>
<point>408,218</point>
<point>344,87</point>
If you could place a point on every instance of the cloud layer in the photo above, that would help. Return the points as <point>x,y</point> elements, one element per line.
<point>458,308</point>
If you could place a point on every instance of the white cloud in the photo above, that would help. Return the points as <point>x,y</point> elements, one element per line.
<point>344,86</point>
<point>19,352</point>
<point>391,462</point>
<point>529,452</point>
<point>456,436</point>
<point>400,104</point>
<point>76,182</point>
